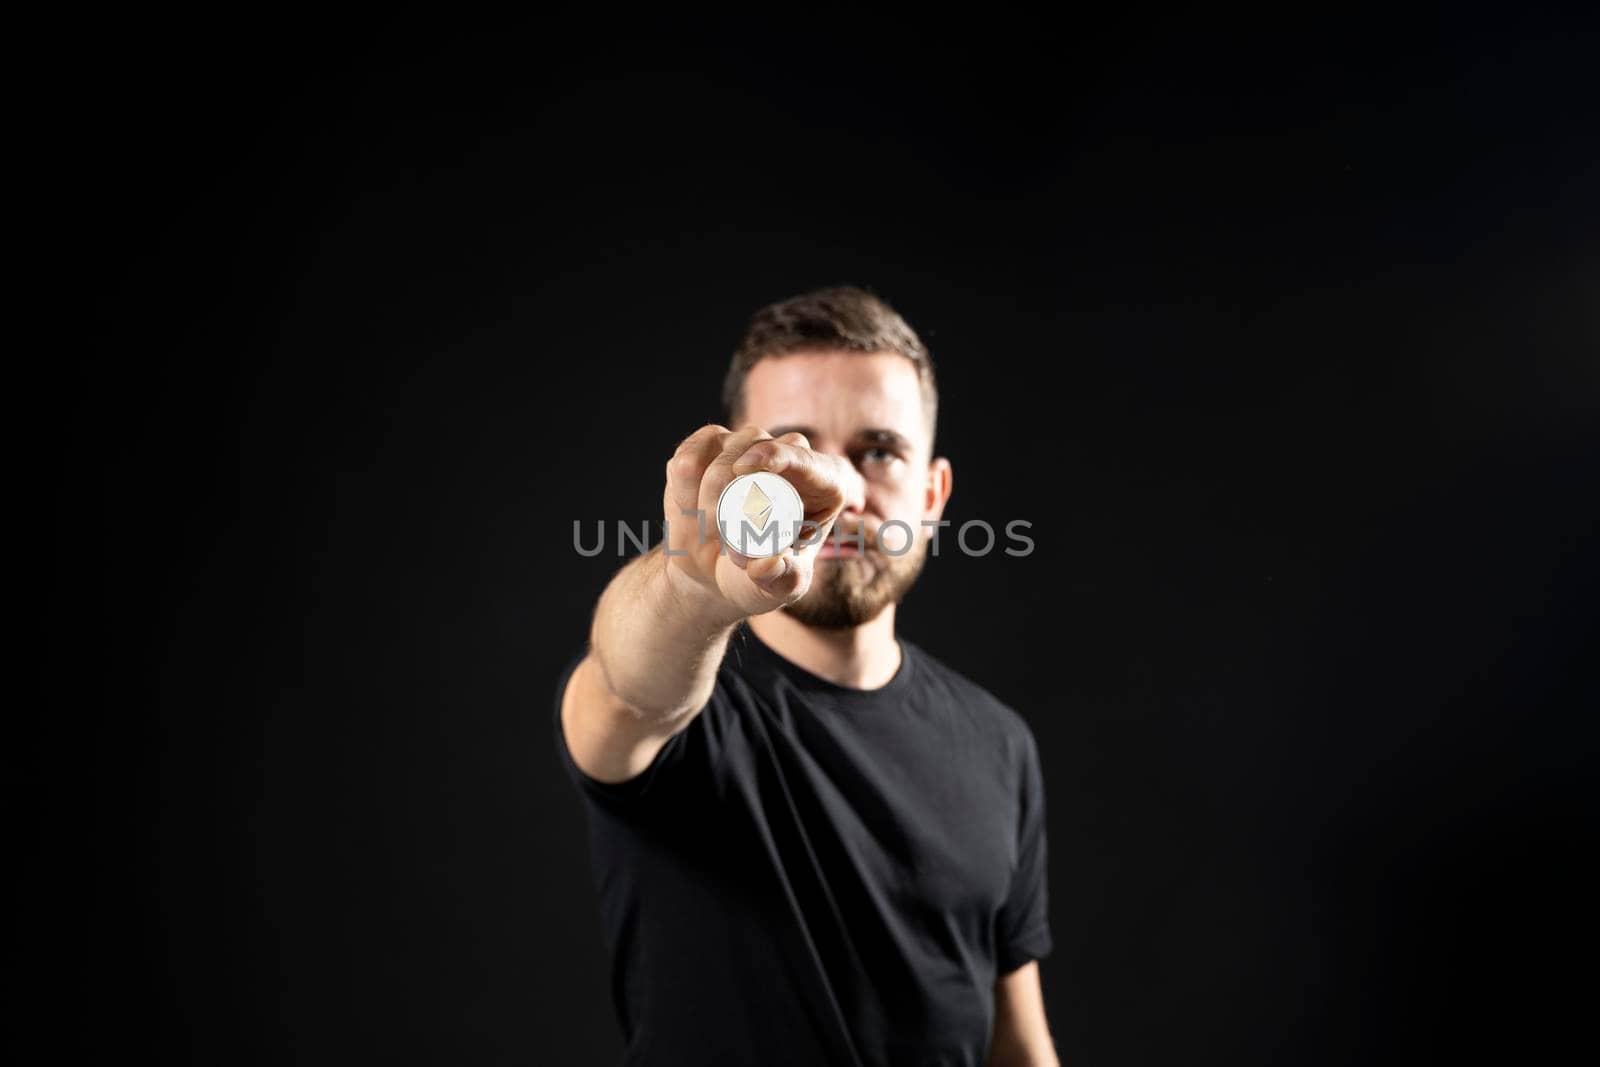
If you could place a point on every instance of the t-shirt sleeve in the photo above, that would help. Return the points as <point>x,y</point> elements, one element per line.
<point>611,794</point>
<point>1022,928</point>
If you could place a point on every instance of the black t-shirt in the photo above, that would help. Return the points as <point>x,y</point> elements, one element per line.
<point>813,874</point>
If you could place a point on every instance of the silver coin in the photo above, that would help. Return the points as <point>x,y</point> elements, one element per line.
<point>759,514</point>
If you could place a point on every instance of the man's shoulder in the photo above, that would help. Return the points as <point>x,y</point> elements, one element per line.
<point>973,698</point>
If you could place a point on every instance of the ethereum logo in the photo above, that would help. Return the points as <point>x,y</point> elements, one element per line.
<point>757,507</point>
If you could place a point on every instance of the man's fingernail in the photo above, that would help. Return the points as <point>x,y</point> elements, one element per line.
<point>750,459</point>
<point>782,570</point>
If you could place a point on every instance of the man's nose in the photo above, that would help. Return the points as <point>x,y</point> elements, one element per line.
<point>853,484</point>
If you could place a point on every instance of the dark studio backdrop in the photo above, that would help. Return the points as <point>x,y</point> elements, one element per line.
<point>1284,338</point>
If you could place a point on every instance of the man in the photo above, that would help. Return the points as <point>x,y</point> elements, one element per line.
<point>813,842</point>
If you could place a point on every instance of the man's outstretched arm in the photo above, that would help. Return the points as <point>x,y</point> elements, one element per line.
<point>662,625</point>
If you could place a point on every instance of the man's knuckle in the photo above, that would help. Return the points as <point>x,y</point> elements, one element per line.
<point>682,466</point>
<point>694,439</point>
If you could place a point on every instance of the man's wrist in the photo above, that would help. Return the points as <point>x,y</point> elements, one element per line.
<point>691,603</point>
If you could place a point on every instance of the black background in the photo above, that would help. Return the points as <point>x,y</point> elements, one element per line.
<point>1283,336</point>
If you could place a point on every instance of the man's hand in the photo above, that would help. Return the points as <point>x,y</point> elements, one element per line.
<point>717,580</point>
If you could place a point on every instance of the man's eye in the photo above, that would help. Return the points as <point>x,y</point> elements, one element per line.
<point>878,455</point>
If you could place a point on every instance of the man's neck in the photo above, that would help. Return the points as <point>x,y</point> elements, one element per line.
<point>863,657</point>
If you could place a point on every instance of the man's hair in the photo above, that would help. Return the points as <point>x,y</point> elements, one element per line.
<point>837,318</point>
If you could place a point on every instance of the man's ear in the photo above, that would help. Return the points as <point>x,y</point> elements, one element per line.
<point>940,481</point>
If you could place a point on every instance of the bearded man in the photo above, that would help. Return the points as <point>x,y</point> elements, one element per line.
<point>813,842</point>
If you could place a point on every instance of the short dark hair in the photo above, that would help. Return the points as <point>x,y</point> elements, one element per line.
<point>845,318</point>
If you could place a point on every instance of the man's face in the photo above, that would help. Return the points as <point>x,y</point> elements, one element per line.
<point>868,409</point>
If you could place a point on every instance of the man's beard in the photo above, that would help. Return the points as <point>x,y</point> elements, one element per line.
<point>847,591</point>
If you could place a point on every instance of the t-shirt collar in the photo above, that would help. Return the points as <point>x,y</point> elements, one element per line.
<point>746,648</point>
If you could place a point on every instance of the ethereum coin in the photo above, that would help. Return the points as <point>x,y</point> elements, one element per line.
<point>759,514</point>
